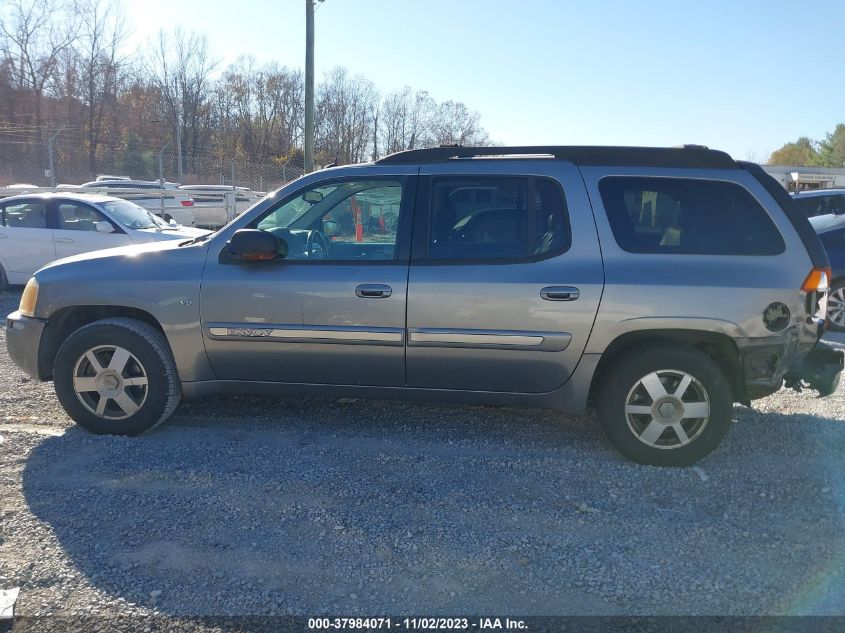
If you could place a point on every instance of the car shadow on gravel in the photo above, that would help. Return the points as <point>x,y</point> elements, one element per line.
<point>309,506</point>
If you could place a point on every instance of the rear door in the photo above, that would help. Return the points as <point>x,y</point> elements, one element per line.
<point>26,241</point>
<point>505,279</point>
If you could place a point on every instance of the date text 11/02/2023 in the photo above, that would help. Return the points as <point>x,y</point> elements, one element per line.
<point>416,624</point>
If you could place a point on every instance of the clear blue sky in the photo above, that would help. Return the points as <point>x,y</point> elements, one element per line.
<point>740,75</point>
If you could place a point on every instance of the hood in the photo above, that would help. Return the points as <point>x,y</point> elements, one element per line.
<point>136,252</point>
<point>176,233</point>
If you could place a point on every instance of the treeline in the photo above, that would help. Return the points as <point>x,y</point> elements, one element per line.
<point>64,70</point>
<point>828,152</point>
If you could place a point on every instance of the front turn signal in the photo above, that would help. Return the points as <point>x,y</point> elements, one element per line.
<point>29,298</point>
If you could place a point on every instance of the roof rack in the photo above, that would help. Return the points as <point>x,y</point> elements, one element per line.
<point>684,156</point>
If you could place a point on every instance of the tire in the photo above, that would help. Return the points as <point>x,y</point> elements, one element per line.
<point>4,281</point>
<point>836,306</point>
<point>646,421</point>
<point>132,388</point>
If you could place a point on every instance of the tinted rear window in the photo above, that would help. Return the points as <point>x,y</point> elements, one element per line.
<point>687,216</point>
<point>501,218</point>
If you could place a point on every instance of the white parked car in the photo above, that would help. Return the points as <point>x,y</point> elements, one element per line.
<point>39,228</point>
<point>163,199</point>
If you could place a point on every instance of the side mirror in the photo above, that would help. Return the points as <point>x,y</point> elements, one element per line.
<point>252,245</point>
<point>104,227</point>
<point>331,228</point>
<point>312,197</point>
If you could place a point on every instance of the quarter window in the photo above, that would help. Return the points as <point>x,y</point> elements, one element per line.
<point>497,218</point>
<point>687,216</point>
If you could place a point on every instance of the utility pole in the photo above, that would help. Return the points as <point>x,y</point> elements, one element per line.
<point>179,144</point>
<point>50,155</point>
<point>309,86</point>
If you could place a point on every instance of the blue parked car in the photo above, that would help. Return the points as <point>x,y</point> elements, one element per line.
<point>831,231</point>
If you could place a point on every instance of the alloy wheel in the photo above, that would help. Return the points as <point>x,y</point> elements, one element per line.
<point>667,409</point>
<point>836,307</point>
<point>110,382</point>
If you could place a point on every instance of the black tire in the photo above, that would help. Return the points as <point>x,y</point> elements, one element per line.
<point>621,383</point>
<point>4,281</point>
<point>836,306</point>
<point>150,359</point>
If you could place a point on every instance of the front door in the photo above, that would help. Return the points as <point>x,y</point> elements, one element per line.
<point>505,279</point>
<point>75,229</point>
<point>332,311</point>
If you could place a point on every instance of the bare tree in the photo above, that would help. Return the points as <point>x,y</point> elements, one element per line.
<point>182,69</point>
<point>454,123</point>
<point>35,33</point>
<point>343,116</point>
<point>102,34</point>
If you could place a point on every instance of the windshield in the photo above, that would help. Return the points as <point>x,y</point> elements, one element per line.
<point>131,215</point>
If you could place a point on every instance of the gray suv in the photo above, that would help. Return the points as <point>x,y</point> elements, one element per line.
<point>660,284</point>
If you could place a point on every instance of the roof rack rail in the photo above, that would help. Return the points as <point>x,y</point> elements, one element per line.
<point>684,156</point>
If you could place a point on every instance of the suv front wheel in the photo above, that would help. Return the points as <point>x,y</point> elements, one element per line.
<point>117,376</point>
<point>668,406</point>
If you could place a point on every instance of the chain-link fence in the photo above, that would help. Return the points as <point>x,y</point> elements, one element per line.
<point>47,164</point>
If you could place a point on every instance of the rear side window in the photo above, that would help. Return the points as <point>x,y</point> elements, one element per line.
<point>497,218</point>
<point>26,215</point>
<point>687,216</point>
<point>821,205</point>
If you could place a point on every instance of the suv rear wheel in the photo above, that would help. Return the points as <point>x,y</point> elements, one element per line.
<point>117,376</point>
<point>668,406</point>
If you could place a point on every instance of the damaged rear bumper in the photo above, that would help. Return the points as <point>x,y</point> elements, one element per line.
<point>766,364</point>
<point>819,370</point>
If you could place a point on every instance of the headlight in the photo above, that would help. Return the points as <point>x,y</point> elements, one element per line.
<point>29,297</point>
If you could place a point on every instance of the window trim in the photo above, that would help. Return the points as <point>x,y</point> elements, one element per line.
<point>403,229</point>
<point>722,181</point>
<point>420,254</point>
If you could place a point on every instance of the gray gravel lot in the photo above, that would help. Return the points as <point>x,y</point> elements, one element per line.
<point>309,506</point>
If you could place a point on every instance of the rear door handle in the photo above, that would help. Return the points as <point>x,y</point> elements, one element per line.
<point>560,293</point>
<point>63,239</point>
<point>373,291</point>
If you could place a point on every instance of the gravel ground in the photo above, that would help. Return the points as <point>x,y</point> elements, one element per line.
<point>309,506</point>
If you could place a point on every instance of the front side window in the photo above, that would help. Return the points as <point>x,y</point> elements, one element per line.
<point>687,216</point>
<point>79,217</point>
<point>496,218</point>
<point>26,215</point>
<point>343,221</point>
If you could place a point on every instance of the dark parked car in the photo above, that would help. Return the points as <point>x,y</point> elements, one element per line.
<point>831,230</point>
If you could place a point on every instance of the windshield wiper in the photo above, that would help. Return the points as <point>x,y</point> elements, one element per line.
<point>196,240</point>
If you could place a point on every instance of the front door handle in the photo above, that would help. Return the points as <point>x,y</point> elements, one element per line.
<point>560,293</point>
<point>373,291</point>
<point>63,239</point>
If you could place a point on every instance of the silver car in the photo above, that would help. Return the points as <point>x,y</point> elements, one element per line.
<point>660,285</point>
